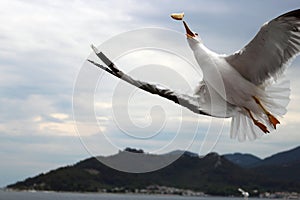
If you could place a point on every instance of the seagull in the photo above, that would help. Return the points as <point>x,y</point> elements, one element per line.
<point>249,78</point>
<point>248,86</point>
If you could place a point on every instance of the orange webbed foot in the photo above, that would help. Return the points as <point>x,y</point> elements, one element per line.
<point>273,120</point>
<point>257,123</point>
<point>261,126</point>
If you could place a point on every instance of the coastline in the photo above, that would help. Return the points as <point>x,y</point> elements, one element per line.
<point>266,195</point>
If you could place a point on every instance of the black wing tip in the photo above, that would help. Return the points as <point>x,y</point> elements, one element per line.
<point>293,13</point>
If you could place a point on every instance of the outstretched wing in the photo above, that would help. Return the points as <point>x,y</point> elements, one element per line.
<point>190,102</point>
<point>271,50</point>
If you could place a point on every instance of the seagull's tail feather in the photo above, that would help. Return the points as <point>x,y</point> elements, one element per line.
<point>275,99</point>
<point>242,128</point>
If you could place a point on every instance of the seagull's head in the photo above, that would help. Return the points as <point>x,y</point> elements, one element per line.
<point>193,38</point>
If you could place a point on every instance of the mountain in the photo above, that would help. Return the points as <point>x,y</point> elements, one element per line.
<point>212,174</point>
<point>181,152</point>
<point>243,160</point>
<point>280,159</point>
<point>283,166</point>
<point>283,158</point>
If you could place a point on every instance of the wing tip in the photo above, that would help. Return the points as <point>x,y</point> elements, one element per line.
<point>293,13</point>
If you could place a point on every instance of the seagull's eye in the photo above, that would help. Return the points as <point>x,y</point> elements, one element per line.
<point>196,34</point>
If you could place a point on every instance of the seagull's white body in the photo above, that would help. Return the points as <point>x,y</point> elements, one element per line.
<point>225,80</point>
<point>252,73</point>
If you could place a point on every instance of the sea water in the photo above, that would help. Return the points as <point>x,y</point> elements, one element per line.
<point>13,195</point>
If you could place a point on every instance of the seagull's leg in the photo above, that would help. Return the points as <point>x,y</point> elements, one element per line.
<point>273,120</point>
<point>257,123</point>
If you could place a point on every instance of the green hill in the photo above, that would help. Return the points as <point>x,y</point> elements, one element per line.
<point>212,174</point>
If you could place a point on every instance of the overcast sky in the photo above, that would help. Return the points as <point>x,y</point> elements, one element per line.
<point>44,45</point>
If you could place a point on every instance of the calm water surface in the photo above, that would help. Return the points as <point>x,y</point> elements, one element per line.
<point>10,195</point>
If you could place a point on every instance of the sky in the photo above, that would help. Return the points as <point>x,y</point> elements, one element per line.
<point>43,50</point>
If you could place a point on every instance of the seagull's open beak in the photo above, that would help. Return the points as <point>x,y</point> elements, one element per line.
<point>189,33</point>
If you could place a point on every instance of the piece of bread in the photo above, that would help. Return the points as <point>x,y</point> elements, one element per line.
<point>177,16</point>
